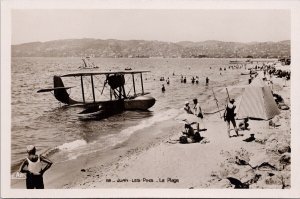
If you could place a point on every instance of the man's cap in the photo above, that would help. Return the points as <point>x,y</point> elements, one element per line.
<point>186,102</point>
<point>30,147</point>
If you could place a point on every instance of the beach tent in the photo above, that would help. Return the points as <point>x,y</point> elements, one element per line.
<point>258,82</point>
<point>257,102</point>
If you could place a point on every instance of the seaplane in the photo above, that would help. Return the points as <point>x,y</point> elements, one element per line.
<point>114,88</point>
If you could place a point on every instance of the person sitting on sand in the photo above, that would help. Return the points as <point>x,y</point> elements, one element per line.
<point>33,168</point>
<point>229,116</point>
<point>244,124</point>
<point>187,108</point>
<point>190,136</point>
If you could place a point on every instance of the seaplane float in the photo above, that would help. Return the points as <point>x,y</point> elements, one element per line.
<point>113,85</point>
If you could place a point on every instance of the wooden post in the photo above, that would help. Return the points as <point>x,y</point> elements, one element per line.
<point>82,90</point>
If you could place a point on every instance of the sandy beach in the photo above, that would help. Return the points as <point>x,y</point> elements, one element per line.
<point>157,160</point>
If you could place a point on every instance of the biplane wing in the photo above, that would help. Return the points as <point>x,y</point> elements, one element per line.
<point>103,73</point>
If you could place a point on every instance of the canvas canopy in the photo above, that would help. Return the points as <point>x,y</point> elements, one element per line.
<point>258,82</point>
<point>257,102</point>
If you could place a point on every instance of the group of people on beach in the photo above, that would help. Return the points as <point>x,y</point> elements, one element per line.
<point>190,135</point>
<point>229,117</point>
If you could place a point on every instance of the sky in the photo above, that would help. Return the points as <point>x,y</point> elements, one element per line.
<point>162,25</point>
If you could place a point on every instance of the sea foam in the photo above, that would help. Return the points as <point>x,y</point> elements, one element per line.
<point>72,145</point>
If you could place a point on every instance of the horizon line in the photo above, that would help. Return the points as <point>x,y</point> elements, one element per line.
<point>149,40</point>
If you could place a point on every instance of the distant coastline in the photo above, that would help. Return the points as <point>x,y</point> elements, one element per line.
<point>112,48</point>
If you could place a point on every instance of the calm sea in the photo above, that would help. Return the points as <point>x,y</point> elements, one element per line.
<point>38,119</point>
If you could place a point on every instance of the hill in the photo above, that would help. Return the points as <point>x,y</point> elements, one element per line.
<point>142,48</point>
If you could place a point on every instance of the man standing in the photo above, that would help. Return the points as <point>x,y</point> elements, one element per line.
<point>207,81</point>
<point>229,116</point>
<point>197,108</point>
<point>198,113</point>
<point>33,168</point>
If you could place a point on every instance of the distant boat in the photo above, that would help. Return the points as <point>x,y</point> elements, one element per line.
<point>128,68</point>
<point>236,62</point>
<point>87,63</point>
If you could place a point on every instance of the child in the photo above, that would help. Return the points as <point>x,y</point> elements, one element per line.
<point>187,108</point>
<point>34,171</point>
<point>244,125</point>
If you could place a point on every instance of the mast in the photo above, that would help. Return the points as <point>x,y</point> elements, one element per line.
<point>84,63</point>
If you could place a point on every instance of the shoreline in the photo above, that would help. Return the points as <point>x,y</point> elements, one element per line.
<point>176,165</point>
<point>148,160</point>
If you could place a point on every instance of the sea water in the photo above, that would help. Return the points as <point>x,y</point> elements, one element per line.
<point>58,132</point>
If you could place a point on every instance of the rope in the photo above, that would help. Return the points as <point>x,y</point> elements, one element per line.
<point>95,87</point>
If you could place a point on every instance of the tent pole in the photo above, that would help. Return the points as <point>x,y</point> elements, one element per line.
<point>216,102</point>
<point>228,98</point>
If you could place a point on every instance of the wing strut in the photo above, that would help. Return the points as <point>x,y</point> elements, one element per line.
<point>142,83</point>
<point>133,84</point>
<point>82,89</point>
<point>93,89</point>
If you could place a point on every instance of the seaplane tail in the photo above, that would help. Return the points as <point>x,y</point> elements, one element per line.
<point>60,92</point>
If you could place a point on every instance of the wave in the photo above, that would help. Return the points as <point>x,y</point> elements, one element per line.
<point>124,134</point>
<point>72,145</point>
<point>66,147</point>
<point>112,139</point>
